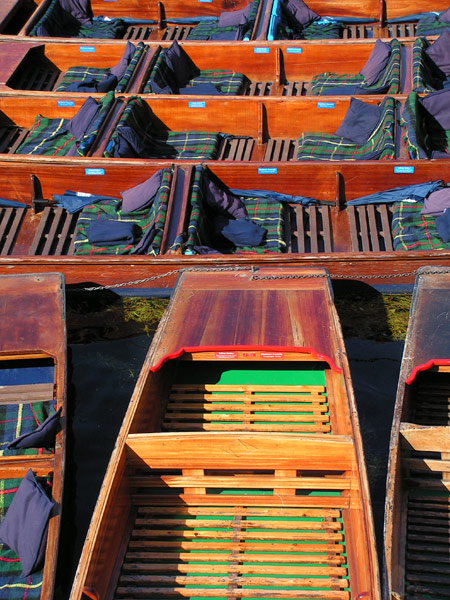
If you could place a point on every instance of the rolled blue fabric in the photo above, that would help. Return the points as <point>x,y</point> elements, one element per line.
<point>417,191</point>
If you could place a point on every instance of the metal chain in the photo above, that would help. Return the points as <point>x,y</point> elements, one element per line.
<point>254,276</point>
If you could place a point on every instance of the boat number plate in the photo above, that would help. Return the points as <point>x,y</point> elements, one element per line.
<point>197,104</point>
<point>264,50</point>
<point>94,171</point>
<point>66,103</point>
<point>267,170</point>
<point>225,355</point>
<point>87,48</point>
<point>325,105</point>
<point>293,50</point>
<point>404,169</point>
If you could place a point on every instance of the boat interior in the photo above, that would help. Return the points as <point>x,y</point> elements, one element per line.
<point>192,509</point>
<point>424,486</point>
<point>39,227</point>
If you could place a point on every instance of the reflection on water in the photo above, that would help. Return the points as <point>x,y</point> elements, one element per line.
<point>102,377</point>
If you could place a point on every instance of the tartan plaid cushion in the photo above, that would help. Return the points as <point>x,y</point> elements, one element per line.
<point>413,231</point>
<point>203,31</point>
<point>313,31</point>
<point>380,145</point>
<point>102,28</point>
<point>50,137</point>
<point>266,213</point>
<point>80,74</point>
<point>56,24</point>
<point>426,76</point>
<point>421,133</point>
<point>389,81</point>
<point>431,25</point>
<point>227,82</point>
<point>150,218</point>
<point>17,419</point>
<point>123,82</point>
<point>163,144</point>
<point>12,585</point>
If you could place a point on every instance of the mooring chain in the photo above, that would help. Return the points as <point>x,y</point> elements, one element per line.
<point>255,276</point>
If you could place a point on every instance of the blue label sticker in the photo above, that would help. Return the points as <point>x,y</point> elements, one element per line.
<point>87,48</point>
<point>267,170</point>
<point>66,103</point>
<point>197,104</point>
<point>261,50</point>
<point>403,169</point>
<point>94,171</point>
<point>204,0</point>
<point>292,50</point>
<point>325,105</point>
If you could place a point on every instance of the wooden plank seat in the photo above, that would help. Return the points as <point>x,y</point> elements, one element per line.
<point>34,392</point>
<point>221,407</point>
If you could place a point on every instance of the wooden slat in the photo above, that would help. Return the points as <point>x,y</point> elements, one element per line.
<point>10,221</point>
<point>272,427</point>
<point>277,389</point>
<point>326,224</point>
<point>326,547</point>
<point>244,482</point>
<point>226,593</point>
<point>248,407</point>
<point>283,524</point>
<point>311,559</point>
<point>386,231</point>
<point>37,392</point>
<point>247,511</point>
<point>246,417</point>
<point>235,569</point>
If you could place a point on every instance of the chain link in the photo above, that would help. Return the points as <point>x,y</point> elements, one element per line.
<point>254,276</point>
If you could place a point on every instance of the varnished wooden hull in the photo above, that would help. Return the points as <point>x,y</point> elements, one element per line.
<point>221,329</point>
<point>33,331</point>
<point>417,497</point>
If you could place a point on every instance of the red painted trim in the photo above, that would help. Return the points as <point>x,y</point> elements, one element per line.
<point>297,349</point>
<point>434,362</point>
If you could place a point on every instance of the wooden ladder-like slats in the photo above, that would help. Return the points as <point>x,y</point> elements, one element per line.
<point>357,32</point>
<point>235,551</point>
<point>236,149</point>
<point>259,88</point>
<point>177,33</point>
<point>10,221</point>
<point>138,32</point>
<point>432,400</point>
<point>55,234</point>
<point>280,150</point>
<point>428,547</point>
<point>296,88</point>
<point>36,77</point>
<point>311,229</point>
<point>11,137</point>
<point>405,30</point>
<point>370,228</point>
<point>247,408</point>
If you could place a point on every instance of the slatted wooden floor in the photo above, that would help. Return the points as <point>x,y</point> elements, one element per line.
<point>37,77</point>
<point>288,408</point>
<point>432,400</point>
<point>239,539</point>
<point>55,234</point>
<point>428,547</point>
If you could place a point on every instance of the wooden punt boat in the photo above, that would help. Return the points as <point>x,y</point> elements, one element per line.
<point>417,541</point>
<point>237,498</point>
<point>156,20</point>
<point>278,69</point>
<point>239,129</point>
<point>32,385</point>
<point>398,10</point>
<point>351,241</point>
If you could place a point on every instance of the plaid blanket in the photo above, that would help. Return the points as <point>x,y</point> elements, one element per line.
<point>162,144</point>
<point>266,213</point>
<point>50,137</point>
<point>388,82</point>
<point>80,74</point>
<point>426,76</point>
<point>17,419</point>
<point>380,145</point>
<point>56,23</point>
<point>421,132</point>
<point>12,585</point>
<point>413,231</point>
<point>148,219</point>
<point>312,31</point>
<point>203,31</point>
<point>227,82</point>
<point>430,25</point>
